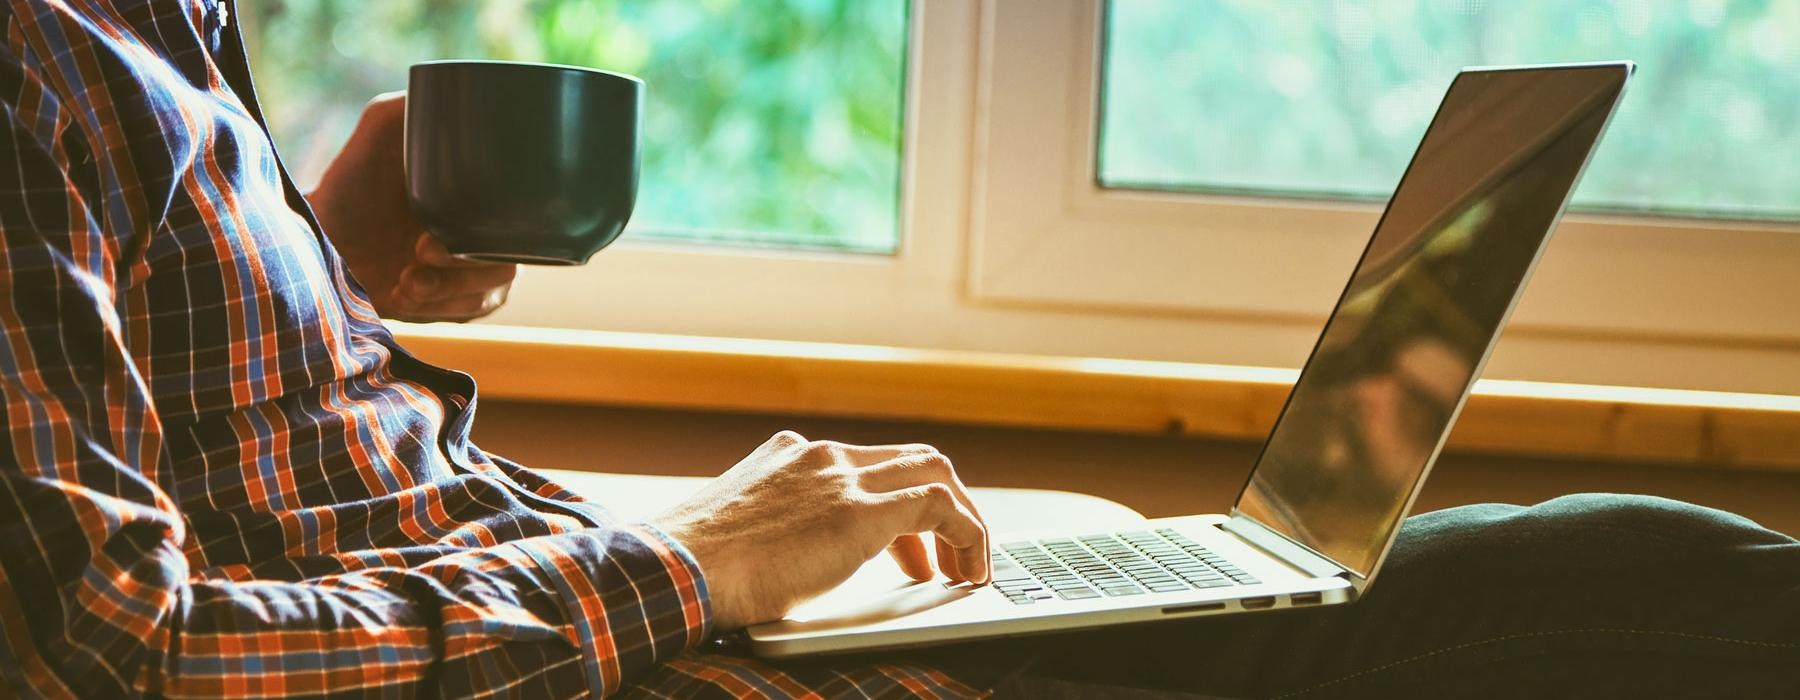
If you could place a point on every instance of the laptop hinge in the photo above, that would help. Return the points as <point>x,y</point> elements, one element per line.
<point>1272,542</point>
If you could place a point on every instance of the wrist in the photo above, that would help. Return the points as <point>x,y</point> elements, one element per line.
<point>714,562</point>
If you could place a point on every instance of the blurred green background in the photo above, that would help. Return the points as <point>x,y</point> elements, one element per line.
<point>1330,98</point>
<point>779,122</point>
<point>769,122</point>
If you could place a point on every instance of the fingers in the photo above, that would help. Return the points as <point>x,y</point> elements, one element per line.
<point>467,308</point>
<point>428,249</point>
<point>918,488</point>
<point>871,455</point>
<point>962,550</point>
<point>459,308</point>
<point>949,560</point>
<point>913,469</point>
<point>909,552</point>
<point>437,286</point>
<point>827,453</point>
<point>424,284</point>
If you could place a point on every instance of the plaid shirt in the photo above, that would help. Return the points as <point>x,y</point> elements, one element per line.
<point>220,475</point>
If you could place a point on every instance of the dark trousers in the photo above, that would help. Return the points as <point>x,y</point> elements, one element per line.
<point>1588,596</point>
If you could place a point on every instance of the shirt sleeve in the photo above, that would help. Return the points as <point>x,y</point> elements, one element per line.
<point>96,594</point>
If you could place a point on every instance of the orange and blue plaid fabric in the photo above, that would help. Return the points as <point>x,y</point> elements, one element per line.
<point>220,475</point>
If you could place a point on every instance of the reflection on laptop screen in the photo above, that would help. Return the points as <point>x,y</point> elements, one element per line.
<point>1424,306</point>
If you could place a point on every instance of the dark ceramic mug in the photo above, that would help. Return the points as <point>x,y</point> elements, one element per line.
<point>522,162</point>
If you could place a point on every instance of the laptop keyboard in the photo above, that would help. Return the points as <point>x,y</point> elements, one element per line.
<point>1113,564</point>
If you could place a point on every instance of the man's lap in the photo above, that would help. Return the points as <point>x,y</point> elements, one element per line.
<point>1592,594</point>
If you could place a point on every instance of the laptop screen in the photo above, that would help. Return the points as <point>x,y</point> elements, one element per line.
<point>1424,305</point>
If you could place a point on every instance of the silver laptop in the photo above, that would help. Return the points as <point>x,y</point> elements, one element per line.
<point>1360,430</point>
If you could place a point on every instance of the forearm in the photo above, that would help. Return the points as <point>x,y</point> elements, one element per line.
<point>586,611</point>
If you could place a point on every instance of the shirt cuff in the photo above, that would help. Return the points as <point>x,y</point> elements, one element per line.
<point>696,597</point>
<point>634,598</point>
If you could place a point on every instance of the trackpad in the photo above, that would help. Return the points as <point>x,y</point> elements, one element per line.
<point>878,592</point>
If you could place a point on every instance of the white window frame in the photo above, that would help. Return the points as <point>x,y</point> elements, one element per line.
<point>1007,244</point>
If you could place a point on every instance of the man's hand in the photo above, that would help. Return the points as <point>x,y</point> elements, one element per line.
<point>361,203</point>
<point>797,517</point>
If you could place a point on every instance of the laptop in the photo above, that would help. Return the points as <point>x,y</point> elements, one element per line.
<point>1361,428</point>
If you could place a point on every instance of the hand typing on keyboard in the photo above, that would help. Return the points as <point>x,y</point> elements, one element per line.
<point>797,517</point>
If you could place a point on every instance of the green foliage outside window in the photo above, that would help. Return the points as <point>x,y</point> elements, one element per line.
<point>769,122</point>
<point>1320,98</point>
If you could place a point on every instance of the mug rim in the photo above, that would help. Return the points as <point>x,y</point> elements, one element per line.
<point>581,70</point>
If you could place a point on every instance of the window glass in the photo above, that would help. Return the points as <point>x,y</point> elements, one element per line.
<point>1328,99</point>
<point>768,122</point>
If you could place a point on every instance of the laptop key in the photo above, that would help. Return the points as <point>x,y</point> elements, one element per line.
<point>1091,566</point>
<point>1004,569</point>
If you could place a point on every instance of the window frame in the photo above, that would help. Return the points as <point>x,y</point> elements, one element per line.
<point>1009,246</point>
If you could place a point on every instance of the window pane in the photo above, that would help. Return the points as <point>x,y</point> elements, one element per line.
<point>1330,98</point>
<point>769,122</point>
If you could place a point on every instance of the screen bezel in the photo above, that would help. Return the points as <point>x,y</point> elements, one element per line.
<point>1361,580</point>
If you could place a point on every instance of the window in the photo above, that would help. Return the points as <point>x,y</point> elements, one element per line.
<point>1328,99</point>
<point>995,227</point>
<point>770,123</point>
<point>1193,197</point>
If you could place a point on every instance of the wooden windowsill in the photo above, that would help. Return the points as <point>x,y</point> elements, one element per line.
<point>1710,429</point>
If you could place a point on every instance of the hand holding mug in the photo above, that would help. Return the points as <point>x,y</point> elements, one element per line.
<point>362,206</point>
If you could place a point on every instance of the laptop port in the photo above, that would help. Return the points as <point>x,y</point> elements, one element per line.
<point>1259,603</point>
<point>1313,598</point>
<point>1199,607</point>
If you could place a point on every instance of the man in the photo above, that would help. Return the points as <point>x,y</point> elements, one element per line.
<point>221,476</point>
